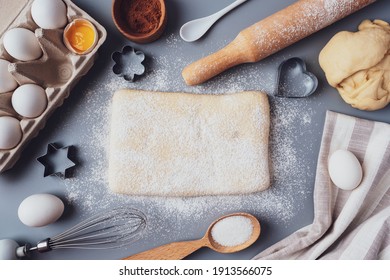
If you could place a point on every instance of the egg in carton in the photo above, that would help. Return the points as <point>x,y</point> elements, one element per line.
<point>57,70</point>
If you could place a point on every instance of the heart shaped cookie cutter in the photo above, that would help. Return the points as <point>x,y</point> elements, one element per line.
<point>294,81</point>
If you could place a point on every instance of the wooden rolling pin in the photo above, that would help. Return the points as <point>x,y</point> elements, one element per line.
<point>272,34</point>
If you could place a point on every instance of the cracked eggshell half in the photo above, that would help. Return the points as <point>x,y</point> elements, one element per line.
<point>80,36</point>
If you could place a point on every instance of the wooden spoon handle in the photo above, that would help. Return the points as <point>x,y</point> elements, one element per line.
<point>172,251</point>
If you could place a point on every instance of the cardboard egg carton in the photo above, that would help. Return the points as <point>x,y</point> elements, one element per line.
<point>57,71</point>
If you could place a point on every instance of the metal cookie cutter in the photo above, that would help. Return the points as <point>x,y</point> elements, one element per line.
<point>294,81</point>
<point>57,161</point>
<point>128,63</point>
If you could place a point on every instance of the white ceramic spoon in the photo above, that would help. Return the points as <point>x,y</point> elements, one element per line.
<point>193,30</point>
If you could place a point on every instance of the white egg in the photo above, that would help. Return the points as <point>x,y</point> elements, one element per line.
<point>10,132</point>
<point>8,249</point>
<point>49,14</point>
<point>345,170</point>
<point>22,44</point>
<point>29,100</point>
<point>39,210</point>
<point>7,81</point>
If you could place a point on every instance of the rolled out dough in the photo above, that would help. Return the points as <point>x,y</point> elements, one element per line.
<point>181,144</point>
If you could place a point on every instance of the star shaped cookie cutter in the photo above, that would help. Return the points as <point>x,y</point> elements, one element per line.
<point>57,161</point>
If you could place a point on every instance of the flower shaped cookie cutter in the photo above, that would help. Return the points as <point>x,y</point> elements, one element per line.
<point>128,63</point>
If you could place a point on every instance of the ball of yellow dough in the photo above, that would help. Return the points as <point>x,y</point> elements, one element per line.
<point>357,64</point>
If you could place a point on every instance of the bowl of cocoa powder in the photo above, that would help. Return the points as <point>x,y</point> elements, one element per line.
<point>140,21</point>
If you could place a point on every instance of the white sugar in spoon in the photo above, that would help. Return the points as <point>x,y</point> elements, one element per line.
<point>179,250</point>
<point>193,30</point>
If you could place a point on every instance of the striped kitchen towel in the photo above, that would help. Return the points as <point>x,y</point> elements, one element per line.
<point>347,224</point>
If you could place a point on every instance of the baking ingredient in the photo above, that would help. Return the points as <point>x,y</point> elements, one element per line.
<point>345,170</point>
<point>49,14</point>
<point>80,36</point>
<point>10,132</point>
<point>272,34</point>
<point>143,17</point>
<point>22,44</point>
<point>244,235</point>
<point>8,249</point>
<point>357,64</point>
<point>29,100</point>
<point>40,210</point>
<point>7,81</point>
<point>189,145</point>
<point>232,231</point>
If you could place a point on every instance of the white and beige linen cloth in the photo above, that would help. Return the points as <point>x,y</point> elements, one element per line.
<point>347,224</point>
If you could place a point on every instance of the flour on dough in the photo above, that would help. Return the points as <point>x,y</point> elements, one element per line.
<point>358,65</point>
<point>181,144</point>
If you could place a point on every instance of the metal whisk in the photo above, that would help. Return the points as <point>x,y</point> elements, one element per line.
<point>112,229</point>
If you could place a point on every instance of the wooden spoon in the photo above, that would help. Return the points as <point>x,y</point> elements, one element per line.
<point>179,250</point>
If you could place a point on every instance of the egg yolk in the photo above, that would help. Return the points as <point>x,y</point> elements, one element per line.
<point>81,36</point>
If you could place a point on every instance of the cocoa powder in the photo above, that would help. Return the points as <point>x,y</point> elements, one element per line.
<point>142,16</point>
